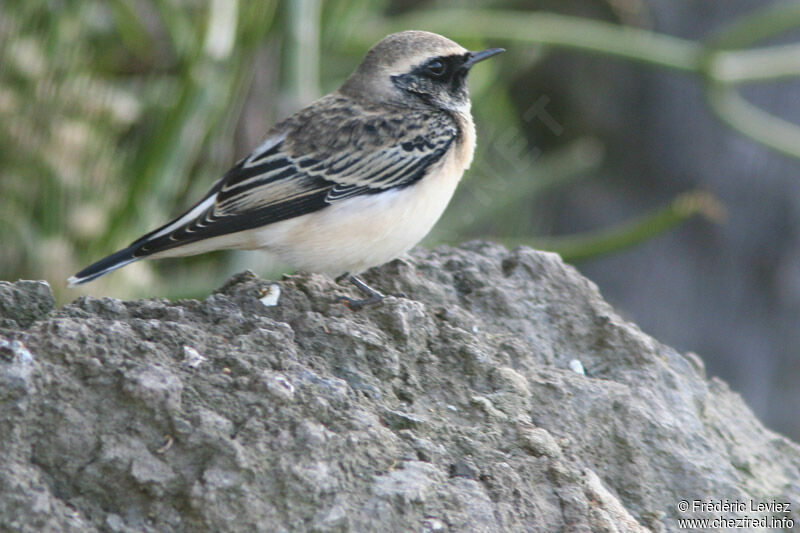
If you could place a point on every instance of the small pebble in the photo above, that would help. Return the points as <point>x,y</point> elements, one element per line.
<point>271,295</point>
<point>576,366</point>
<point>192,358</point>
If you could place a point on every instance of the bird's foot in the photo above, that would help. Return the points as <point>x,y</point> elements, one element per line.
<point>373,297</point>
<point>356,304</point>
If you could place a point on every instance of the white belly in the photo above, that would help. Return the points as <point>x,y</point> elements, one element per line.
<point>364,231</point>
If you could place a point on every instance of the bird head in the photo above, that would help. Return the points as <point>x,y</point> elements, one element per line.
<point>416,68</point>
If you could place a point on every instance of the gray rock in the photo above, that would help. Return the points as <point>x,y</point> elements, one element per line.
<point>23,302</point>
<point>453,408</point>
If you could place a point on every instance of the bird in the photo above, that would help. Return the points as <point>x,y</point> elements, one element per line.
<point>352,181</point>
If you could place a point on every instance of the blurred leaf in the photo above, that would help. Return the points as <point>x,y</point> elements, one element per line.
<point>302,51</point>
<point>131,28</point>
<point>183,31</point>
<point>161,170</point>
<point>256,21</point>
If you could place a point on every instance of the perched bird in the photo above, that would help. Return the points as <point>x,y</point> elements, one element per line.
<point>350,182</point>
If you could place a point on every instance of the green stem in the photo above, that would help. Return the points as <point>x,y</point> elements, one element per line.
<point>771,20</point>
<point>589,245</point>
<point>767,63</point>
<point>767,129</point>
<point>303,50</point>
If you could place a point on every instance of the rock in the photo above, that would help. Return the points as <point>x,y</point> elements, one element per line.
<point>456,407</point>
<point>23,302</point>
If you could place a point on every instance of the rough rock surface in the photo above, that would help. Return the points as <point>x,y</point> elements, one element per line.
<point>461,406</point>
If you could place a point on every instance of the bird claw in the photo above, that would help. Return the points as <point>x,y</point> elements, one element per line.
<point>356,304</point>
<point>372,296</point>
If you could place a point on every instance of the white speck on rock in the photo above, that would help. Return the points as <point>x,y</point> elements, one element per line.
<point>432,524</point>
<point>576,366</point>
<point>271,295</point>
<point>192,358</point>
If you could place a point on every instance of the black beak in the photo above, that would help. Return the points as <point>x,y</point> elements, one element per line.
<point>474,57</point>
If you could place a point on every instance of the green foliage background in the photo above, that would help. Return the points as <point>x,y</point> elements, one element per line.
<point>118,114</point>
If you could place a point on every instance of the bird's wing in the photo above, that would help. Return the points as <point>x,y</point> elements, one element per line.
<point>310,165</point>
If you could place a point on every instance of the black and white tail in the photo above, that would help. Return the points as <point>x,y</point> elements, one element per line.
<point>157,241</point>
<point>104,266</point>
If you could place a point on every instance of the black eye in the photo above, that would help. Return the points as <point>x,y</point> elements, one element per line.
<point>436,68</point>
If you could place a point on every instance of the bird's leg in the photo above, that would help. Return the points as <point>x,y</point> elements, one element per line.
<point>372,296</point>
